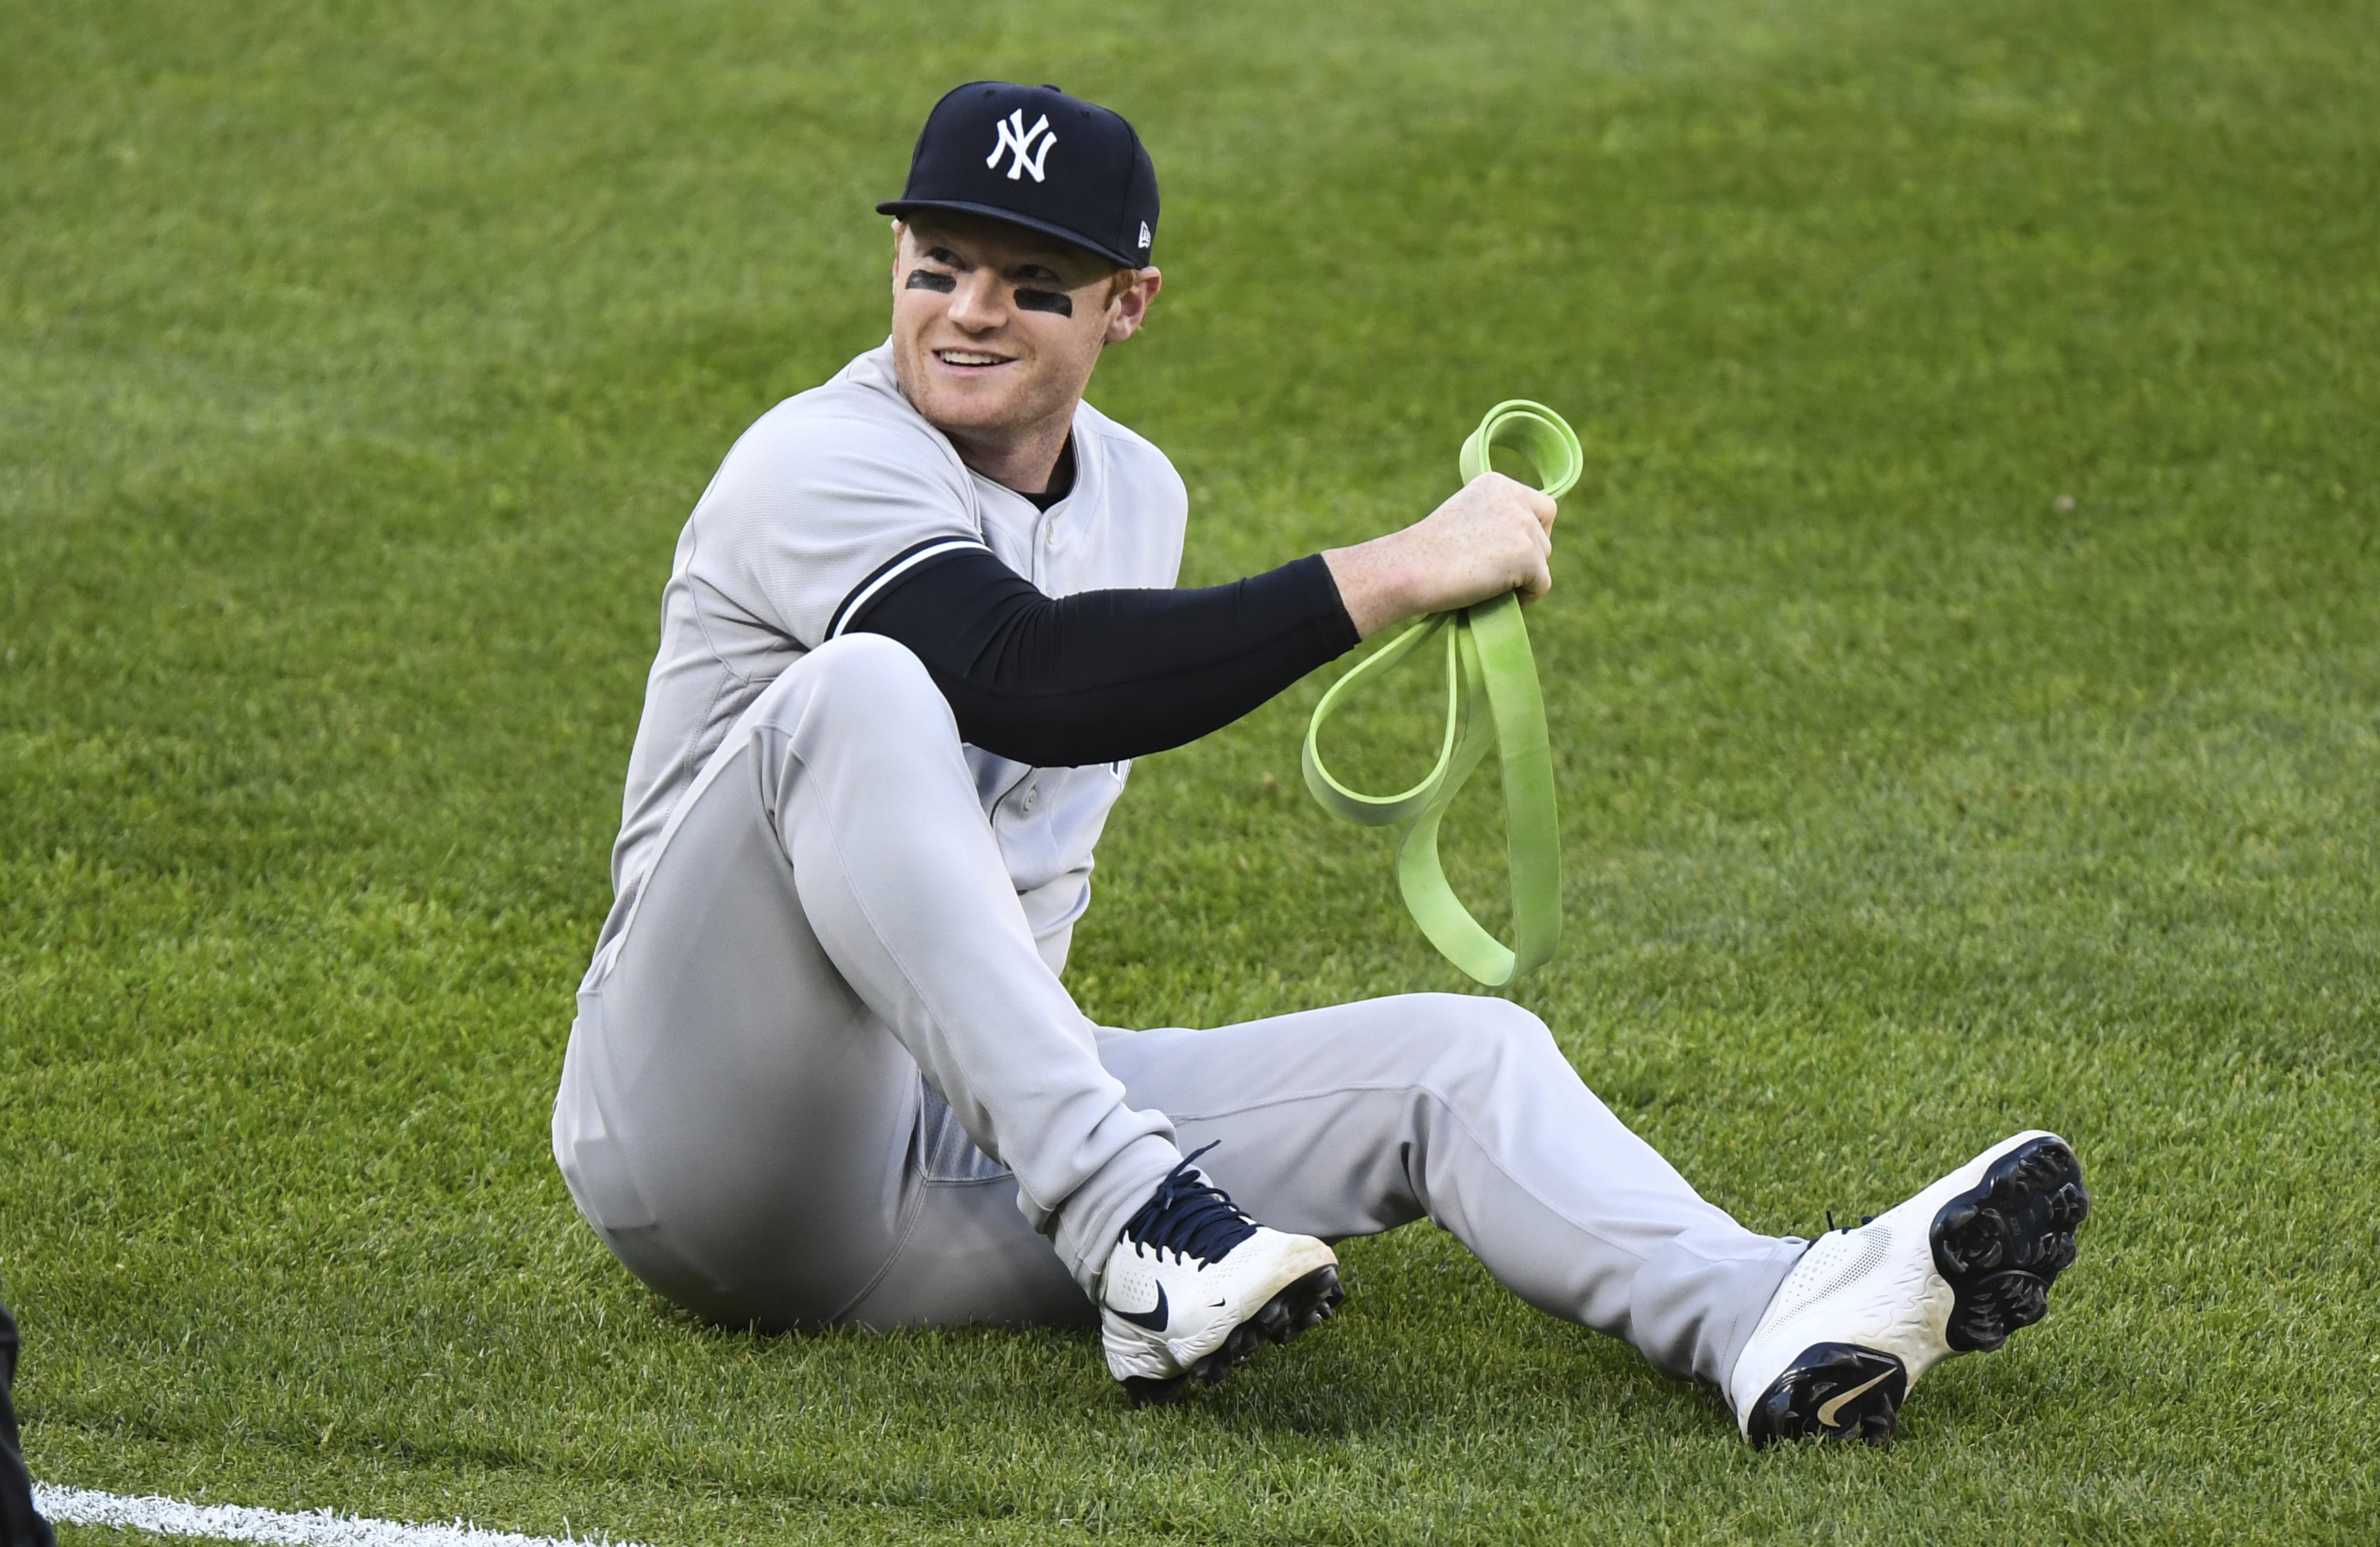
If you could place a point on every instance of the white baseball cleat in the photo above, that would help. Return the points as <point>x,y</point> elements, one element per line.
<point>1868,1310</point>
<point>1194,1287</point>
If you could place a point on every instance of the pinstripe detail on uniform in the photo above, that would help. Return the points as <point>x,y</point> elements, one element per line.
<point>894,568</point>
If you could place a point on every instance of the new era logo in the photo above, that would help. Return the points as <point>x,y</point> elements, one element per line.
<point>1019,141</point>
<point>1144,236</point>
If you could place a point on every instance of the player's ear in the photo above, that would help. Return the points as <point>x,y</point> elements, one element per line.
<point>1128,303</point>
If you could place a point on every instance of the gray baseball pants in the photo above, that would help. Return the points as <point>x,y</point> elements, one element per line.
<point>827,1076</point>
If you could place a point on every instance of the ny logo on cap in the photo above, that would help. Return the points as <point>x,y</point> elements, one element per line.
<point>1015,139</point>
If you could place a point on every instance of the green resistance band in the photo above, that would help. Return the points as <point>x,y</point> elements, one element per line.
<point>1487,661</point>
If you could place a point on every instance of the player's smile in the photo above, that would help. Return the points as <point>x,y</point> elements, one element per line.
<point>976,363</point>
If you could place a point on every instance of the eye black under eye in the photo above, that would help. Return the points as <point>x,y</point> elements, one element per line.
<point>926,279</point>
<point>1045,300</point>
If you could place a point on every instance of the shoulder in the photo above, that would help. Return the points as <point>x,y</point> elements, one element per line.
<point>818,494</point>
<point>852,437</point>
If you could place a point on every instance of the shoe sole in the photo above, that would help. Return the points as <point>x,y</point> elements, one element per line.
<point>1306,1304</point>
<point>1999,1245</point>
<point>2003,1242</point>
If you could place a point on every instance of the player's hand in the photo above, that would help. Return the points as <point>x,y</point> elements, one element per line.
<point>1494,536</point>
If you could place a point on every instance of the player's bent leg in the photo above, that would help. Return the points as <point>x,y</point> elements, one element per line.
<point>909,895</point>
<point>741,1107</point>
<point>859,772</point>
<point>1869,1309</point>
<point>1359,1118</point>
<point>828,911</point>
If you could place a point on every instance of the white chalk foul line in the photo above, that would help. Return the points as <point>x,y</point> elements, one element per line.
<point>322,1528</point>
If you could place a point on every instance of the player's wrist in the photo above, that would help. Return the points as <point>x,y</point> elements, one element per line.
<point>1377,584</point>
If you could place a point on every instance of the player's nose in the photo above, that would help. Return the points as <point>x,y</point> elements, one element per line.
<point>980,302</point>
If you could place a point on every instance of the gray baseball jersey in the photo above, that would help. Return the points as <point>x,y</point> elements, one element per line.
<point>825,498</point>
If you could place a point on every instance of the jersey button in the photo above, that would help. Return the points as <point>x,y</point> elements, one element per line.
<point>1032,798</point>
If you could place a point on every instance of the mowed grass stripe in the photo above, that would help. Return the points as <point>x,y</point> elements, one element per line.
<point>1964,688</point>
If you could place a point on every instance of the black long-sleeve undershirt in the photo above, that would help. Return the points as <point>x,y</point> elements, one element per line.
<point>1102,676</point>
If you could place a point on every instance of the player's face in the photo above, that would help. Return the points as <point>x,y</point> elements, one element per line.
<point>996,330</point>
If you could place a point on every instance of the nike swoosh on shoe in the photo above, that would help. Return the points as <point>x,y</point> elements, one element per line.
<point>1154,1321</point>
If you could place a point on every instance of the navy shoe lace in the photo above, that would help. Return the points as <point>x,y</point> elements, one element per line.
<point>1190,1216</point>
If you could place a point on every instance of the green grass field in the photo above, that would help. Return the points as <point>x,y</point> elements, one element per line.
<point>1964,674</point>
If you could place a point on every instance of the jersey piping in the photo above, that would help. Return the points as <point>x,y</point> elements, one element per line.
<point>891,570</point>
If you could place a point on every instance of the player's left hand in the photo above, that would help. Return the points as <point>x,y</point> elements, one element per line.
<point>1494,535</point>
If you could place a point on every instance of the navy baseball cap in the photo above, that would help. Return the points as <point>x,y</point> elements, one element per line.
<point>1036,157</point>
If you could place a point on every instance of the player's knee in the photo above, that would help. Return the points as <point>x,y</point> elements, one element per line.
<point>1518,1032</point>
<point>871,676</point>
<point>1489,1035</point>
<point>861,663</point>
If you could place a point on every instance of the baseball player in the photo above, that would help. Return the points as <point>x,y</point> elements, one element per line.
<point>917,628</point>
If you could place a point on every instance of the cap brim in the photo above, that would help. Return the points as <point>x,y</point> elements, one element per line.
<point>901,209</point>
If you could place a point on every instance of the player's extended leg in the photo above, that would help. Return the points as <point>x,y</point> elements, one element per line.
<point>1361,1117</point>
<point>1357,1118</point>
<point>740,1115</point>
